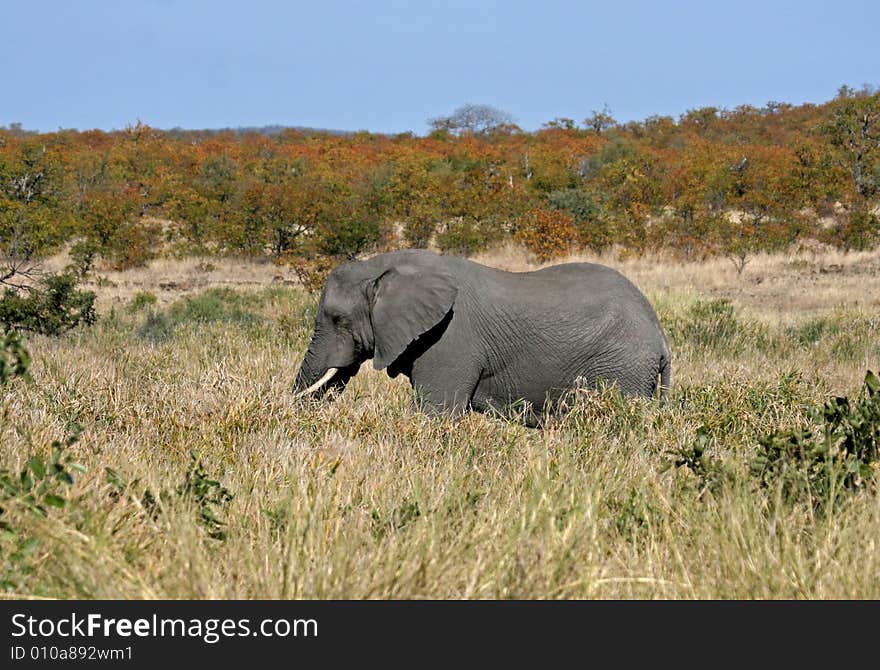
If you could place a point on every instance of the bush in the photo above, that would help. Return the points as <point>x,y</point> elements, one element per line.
<point>141,300</point>
<point>14,358</point>
<point>83,254</point>
<point>212,306</point>
<point>209,496</point>
<point>577,202</point>
<point>51,307</point>
<point>418,231</point>
<point>591,229</point>
<point>312,272</point>
<point>712,325</point>
<point>546,233</point>
<point>710,473</point>
<point>348,237</point>
<point>133,245</point>
<point>839,454</point>
<point>216,304</point>
<point>461,237</point>
<point>41,484</point>
<point>157,327</point>
<point>858,231</point>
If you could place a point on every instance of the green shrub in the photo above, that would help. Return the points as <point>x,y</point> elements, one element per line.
<point>709,472</point>
<point>39,485</point>
<point>215,305</point>
<point>579,203</point>
<point>157,327</point>
<point>812,331</point>
<point>43,484</point>
<point>348,237</point>
<point>82,255</point>
<point>838,454</point>
<point>141,300</point>
<point>461,237</point>
<point>14,358</point>
<point>590,222</point>
<point>848,336</point>
<point>52,306</point>
<point>208,494</point>
<point>712,325</point>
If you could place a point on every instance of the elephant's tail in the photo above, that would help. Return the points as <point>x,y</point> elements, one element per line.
<point>665,375</point>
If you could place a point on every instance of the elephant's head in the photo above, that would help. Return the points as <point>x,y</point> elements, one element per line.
<point>371,309</point>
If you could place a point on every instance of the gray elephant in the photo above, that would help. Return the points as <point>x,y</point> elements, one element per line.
<point>472,337</point>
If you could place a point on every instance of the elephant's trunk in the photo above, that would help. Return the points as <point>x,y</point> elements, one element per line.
<point>318,384</point>
<point>310,371</point>
<point>328,365</point>
<point>317,375</point>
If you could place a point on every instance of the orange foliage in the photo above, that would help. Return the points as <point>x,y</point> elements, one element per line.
<point>711,181</point>
<point>546,233</point>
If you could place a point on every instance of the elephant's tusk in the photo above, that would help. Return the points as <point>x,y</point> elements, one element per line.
<point>318,384</point>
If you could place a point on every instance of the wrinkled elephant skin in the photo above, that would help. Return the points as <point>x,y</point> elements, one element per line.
<point>472,337</point>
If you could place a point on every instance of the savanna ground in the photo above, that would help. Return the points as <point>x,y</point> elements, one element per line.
<point>197,475</point>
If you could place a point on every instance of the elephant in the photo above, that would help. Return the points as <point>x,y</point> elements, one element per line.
<point>472,337</point>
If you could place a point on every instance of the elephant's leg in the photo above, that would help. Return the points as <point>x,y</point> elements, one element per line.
<point>444,399</point>
<point>502,398</point>
<point>444,385</point>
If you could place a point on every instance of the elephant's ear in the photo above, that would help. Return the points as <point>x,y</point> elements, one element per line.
<point>407,302</point>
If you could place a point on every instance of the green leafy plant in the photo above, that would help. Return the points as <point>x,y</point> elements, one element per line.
<point>50,307</point>
<point>212,306</point>
<point>14,357</point>
<point>839,454</point>
<point>142,300</point>
<point>82,255</point>
<point>157,327</point>
<point>209,495</point>
<point>710,472</point>
<point>713,325</point>
<point>461,237</point>
<point>41,484</point>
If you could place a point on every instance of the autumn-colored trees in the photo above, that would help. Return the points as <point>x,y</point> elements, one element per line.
<point>548,233</point>
<point>853,131</point>
<point>713,181</point>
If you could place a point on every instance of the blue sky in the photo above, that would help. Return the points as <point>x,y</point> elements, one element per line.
<point>387,66</point>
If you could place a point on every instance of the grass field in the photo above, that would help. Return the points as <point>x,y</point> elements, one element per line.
<point>196,475</point>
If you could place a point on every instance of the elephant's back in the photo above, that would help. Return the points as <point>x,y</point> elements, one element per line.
<point>579,307</point>
<point>549,328</point>
<point>572,285</point>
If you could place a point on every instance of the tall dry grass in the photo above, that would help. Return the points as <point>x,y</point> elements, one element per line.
<point>364,497</point>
